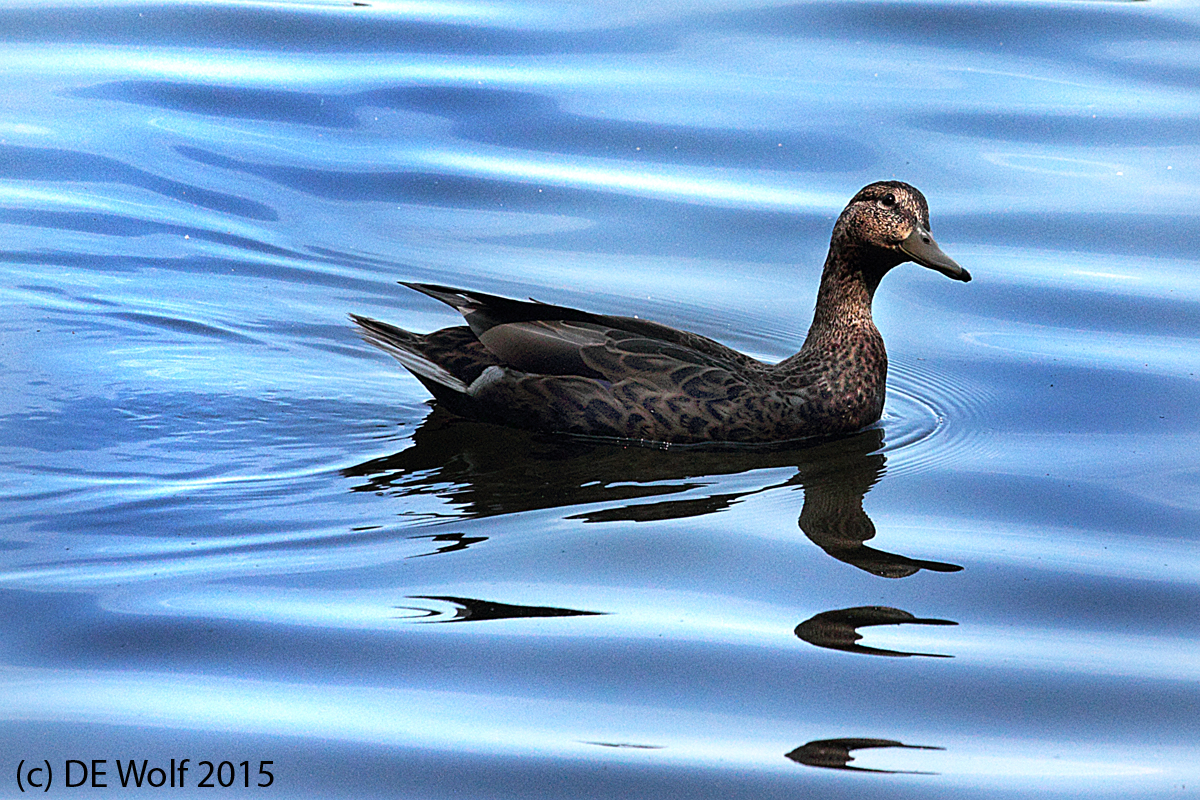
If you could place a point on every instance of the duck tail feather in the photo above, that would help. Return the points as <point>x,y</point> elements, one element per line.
<point>404,346</point>
<point>483,311</point>
<point>458,299</point>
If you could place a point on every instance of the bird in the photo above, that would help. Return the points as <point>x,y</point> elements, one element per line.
<point>554,369</point>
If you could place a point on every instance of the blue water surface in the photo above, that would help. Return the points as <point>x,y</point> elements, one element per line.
<point>230,531</point>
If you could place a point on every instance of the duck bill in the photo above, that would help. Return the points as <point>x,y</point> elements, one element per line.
<point>921,248</point>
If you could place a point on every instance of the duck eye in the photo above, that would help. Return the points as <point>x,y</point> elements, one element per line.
<point>888,200</point>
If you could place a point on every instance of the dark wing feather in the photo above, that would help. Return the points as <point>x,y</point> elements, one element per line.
<point>543,338</point>
<point>546,348</point>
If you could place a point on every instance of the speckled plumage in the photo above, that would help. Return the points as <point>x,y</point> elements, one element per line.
<point>549,368</point>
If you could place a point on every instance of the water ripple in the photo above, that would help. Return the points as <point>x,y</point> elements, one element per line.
<point>933,417</point>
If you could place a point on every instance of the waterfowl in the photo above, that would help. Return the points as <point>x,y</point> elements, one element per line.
<point>549,368</point>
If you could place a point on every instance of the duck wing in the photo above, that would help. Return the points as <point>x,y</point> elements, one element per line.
<point>553,368</point>
<point>545,339</point>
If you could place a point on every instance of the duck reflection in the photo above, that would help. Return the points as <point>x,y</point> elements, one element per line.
<point>486,470</point>
<point>449,542</point>
<point>838,630</point>
<point>835,754</point>
<point>472,609</point>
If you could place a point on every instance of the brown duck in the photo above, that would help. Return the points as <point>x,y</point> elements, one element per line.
<point>549,368</point>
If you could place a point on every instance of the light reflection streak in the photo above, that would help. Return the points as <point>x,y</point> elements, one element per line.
<point>638,179</point>
<point>552,727</point>
<point>1147,276</point>
<point>1079,551</point>
<point>1062,651</point>
<point>320,71</point>
<point>1140,353</point>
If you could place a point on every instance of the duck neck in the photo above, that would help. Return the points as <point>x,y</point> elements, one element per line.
<point>844,299</point>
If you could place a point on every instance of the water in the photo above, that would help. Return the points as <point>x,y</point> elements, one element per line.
<point>232,532</point>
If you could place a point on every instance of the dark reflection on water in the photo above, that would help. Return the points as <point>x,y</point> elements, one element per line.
<point>449,543</point>
<point>432,188</point>
<point>37,163</point>
<point>470,609</point>
<point>838,630</point>
<point>1122,233</point>
<point>536,123</point>
<point>1042,30</point>
<point>485,470</point>
<point>304,108</point>
<point>524,120</point>
<point>627,745</point>
<point>624,224</point>
<point>1075,129</point>
<point>834,519</point>
<point>305,28</point>
<point>835,754</point>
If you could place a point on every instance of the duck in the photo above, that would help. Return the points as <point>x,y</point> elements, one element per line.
<point>554,369</point>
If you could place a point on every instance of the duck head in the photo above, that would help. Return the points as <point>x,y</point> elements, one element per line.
<point>890,220</point>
